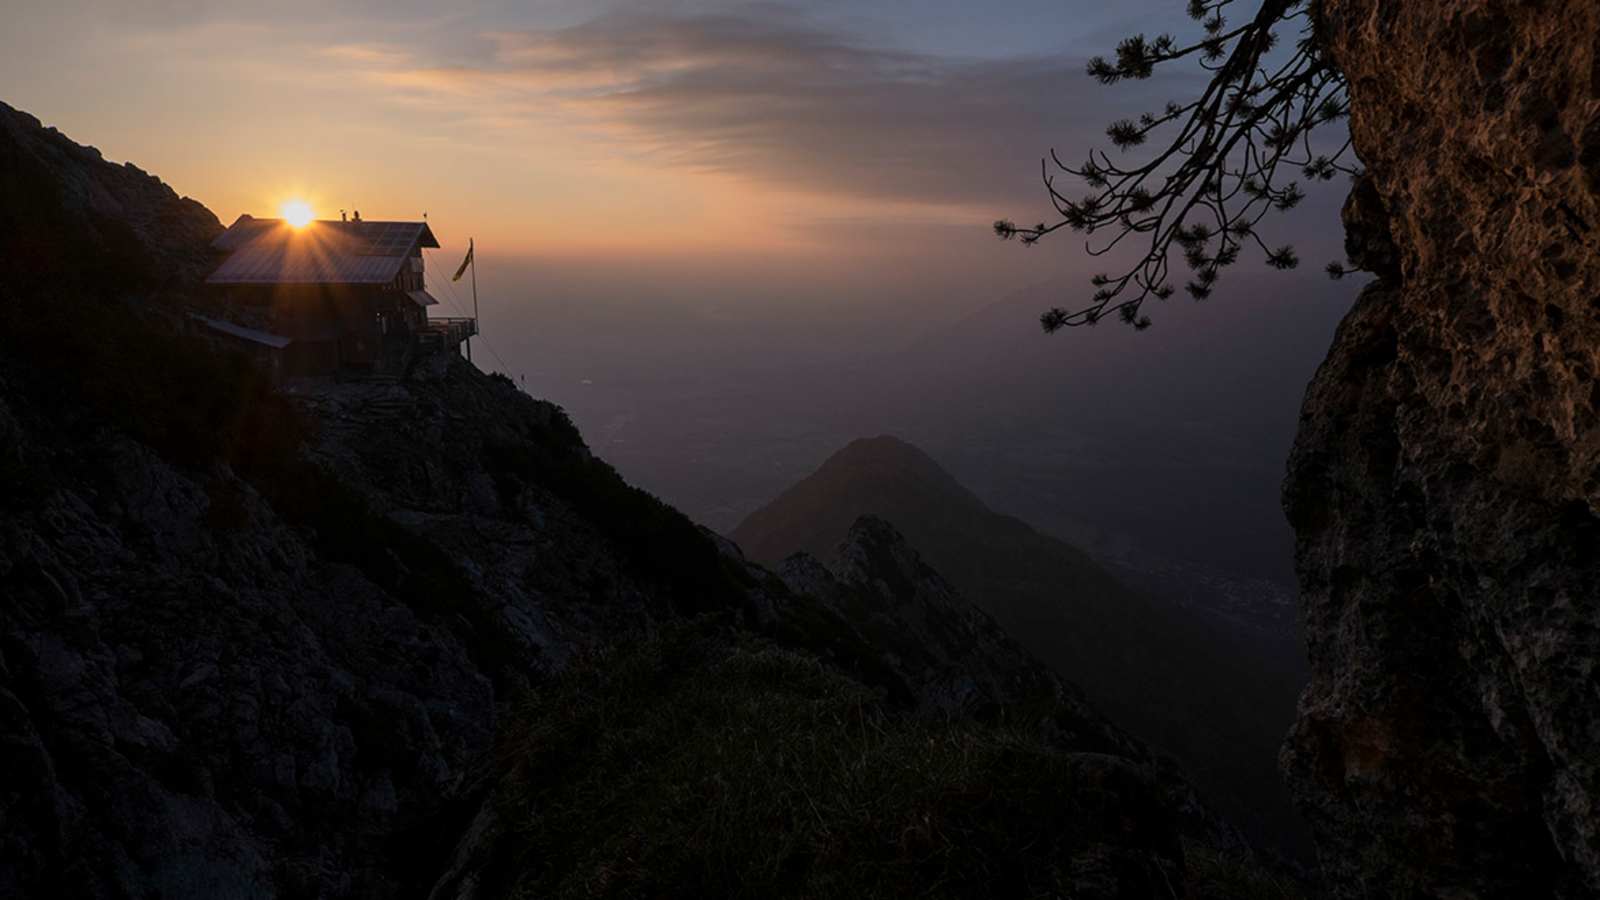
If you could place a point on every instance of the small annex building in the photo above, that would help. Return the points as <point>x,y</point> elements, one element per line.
<point>329,297</point>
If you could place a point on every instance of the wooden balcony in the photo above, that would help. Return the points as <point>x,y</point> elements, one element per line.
<point>445,333</point>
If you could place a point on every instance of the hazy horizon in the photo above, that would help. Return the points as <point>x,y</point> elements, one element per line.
<point>729,238</point>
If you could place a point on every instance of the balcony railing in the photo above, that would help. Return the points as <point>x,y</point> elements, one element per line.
<point>446,333</point>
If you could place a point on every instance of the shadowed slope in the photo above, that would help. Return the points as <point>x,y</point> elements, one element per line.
<point>1175,680</point>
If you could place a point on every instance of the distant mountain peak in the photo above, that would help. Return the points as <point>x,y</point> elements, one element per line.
<point>883,476</point>
<point>882,445</point>
<point>1171,677</point>
<point>887,454</point>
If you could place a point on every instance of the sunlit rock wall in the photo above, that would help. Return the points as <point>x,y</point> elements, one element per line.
<point>1446,480</point>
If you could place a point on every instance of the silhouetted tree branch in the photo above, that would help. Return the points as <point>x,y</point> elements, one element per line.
<point>1225,160</point>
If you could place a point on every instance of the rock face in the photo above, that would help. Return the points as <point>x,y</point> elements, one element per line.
<point>119,218</point>
<point>1445,486</point>
<point>216,685</point>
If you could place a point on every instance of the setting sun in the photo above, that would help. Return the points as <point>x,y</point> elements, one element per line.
<point>297,213</point>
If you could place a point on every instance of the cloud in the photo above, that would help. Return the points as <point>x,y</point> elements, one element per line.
<point>366,54</point>
<point>767,95</point>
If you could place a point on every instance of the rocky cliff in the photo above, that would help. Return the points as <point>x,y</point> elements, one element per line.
<point>1445,486</point>
<point>274,643</point>
<point>75,217</point>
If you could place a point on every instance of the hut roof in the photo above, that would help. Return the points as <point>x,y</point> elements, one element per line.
<point>270,251</point>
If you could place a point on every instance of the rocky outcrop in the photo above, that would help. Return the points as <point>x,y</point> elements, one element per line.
<point>948,656</point>
<point>1206,692</point>
<point>1445,485</point>
<point>73,217</point>
<point>221,686</point>
<point>915,634</point>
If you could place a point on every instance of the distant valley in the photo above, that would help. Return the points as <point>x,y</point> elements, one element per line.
<point>1074,433</point>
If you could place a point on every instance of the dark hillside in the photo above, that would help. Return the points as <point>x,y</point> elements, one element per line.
<point>705,764</point>
<point>1220,702</point>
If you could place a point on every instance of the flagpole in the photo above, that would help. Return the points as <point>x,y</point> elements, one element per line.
<point>472,261</point>
<point>472,252</point>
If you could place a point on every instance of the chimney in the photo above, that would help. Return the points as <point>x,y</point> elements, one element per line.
<point>355,216</point>
<point>343,217</point>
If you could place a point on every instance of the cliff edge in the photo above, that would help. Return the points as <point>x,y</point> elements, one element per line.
<point>1445,484</point>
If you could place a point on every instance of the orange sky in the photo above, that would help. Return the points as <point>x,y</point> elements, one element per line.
<point>544,127</point>
<point>242,115</point>
<point>851,149</point>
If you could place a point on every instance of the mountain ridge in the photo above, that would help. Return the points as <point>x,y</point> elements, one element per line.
<point>1212,698</point>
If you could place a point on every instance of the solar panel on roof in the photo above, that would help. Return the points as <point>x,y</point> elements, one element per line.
<point>265,251</point>
<point>391,238</point>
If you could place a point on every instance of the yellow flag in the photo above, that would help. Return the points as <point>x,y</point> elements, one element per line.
<point>464,263</point>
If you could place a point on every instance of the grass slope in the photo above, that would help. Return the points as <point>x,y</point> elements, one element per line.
<point>702,764</point>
